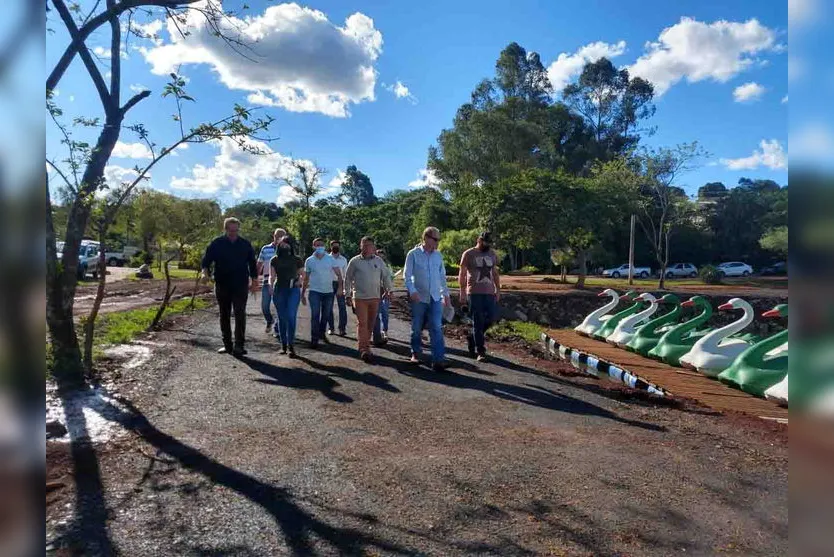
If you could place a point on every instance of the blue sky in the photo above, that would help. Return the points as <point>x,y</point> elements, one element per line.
<point>723,72</point>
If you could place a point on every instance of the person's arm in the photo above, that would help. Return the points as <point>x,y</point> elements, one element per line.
<point>305,284</point>
<point>253,268</point>
<point>462,276</point>
<point>350,276</point>
<point>261,262</point>
<point>273,275</point>
<point>387,281</point>
<point>341,288</point>
<point>444,287</point>
<point>496,280</point>
<point>208,259</point>
<point>408,275</point>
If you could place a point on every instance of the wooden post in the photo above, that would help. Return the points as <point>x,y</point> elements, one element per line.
<point>631,252</point>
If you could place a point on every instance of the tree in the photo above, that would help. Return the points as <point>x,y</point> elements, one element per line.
<point>454,242</point>
<point>776,240</point>
<point>357,188</point>
<point>712,191</point>
<point>612,104</point>
<point>305,183</point>
<point>82,173</point>
<point>255,209</point>
<point>665,206</point>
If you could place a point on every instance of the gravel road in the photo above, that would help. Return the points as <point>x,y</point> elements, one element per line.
<point>326,455</point>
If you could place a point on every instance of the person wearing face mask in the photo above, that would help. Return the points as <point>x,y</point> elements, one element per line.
<point>341,262</point>
<point>318,268</point>
<point>285,281</point>
<point>264,257</point>
<point>425,280</point>
<point>480,286</point>
<point>366,273</point>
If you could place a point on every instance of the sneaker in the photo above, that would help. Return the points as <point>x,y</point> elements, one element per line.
<point>225,350</point>
<point>481,357</point>
<point>283,349</point>
<point>414,359</point>
<point>385,336</point>
<point>325,340</point>
<point>470,344</point>
<point>330,332</point>
<point>268,326</point>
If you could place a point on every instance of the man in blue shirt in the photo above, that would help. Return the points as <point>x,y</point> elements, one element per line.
<point>318,270</point>
<point>425,280</point>
<point>267,252</point>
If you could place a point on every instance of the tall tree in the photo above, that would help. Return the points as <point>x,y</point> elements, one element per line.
<point>357,188</point>
<point>83,172</point>
<point>305,183</point>
<point>613,105</point>
<point>665,206</point>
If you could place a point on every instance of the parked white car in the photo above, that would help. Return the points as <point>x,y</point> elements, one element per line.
<point>735,269</point>
<point>679,270</point>
<point>622,271</point>
<point>87,258</point>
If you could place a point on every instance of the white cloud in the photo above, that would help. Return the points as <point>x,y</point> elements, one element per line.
<point>812,142</point>
<point>299,59</point>
<point>801,11</point>
<point>770,155</point>
<point>748,92</point>
<point>131,151</point>
<point>72,98</point>
<point>236,171</point>
<point>796,68</point>
<point>400,91</point>
<point>568,66</point>
<point>425,178</point>
<point>335,183</point>
<point>180,147</point>
<point>115,176</point>
<point>138,88</point>
<point>698,51</point>
<point>785,99</point>
<point>149,31</point>
<point>103,52</point>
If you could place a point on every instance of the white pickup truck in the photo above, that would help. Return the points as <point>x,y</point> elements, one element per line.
<point>116,258</point>
<point>622,271</point>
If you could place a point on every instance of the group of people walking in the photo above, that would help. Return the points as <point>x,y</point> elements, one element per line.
<point>326,278</point>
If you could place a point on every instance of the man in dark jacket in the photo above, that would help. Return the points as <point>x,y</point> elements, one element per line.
<point>235,274</point>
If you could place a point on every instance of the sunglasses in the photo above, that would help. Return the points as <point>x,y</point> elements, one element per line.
<point>433,238</point>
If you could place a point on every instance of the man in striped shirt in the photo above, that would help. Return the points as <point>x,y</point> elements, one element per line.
<point>267,252</point>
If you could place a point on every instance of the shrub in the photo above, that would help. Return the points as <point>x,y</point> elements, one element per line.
<point>530,269</point>
<point>710,275</point>
<point>140,259</point>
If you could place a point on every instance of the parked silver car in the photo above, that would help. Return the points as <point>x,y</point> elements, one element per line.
<point>735,269</point>
<point>678,270</point>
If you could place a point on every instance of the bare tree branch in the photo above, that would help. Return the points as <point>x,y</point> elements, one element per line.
<point>135,99</point>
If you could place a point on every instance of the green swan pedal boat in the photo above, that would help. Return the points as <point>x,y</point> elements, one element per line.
<point>610,324</point>
<point>762,365</point>
<point>647,335</point>
<point>679,340</point>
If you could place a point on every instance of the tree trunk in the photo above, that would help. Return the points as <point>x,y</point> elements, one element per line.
<point>61,283</point>
<point>581,256</point>
<point>194,292</point>
<point>90,325</point>
<point>169,291</point>
<point>564,276</point>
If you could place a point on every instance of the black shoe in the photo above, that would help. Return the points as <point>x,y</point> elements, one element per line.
<point>482,357</point>
<point>268,326</point>
<point>225,350</point>
<point>440,367</point>
<point>283,349</point>
<point>342,333</point>
<point>291,349</point>
<point>239,351</point>
<point>314,344</point>
<point>325,340</point>
<point>470,344</point>
<point>366,357</point>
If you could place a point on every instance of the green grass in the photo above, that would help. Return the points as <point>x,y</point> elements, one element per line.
<point>175,272</point>
<point>123,326</point>
<point>529,332</point>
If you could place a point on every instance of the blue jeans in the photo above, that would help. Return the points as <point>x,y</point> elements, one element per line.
<point>286,302</point>
<point>266,301</point>
<point>381,324</point>
<point>431,312</point>
<point>342,310</point>
<point>484,311</point>
<point>321,305</point>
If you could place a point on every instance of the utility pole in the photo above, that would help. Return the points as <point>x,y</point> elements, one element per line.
<point>631,252</point>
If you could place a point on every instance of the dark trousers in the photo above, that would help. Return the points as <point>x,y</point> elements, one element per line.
<point>340,302</point>
<point>484,311</point>
<point>229,298</point>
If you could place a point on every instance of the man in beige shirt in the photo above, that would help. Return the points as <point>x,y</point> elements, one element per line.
<point>365,273</point>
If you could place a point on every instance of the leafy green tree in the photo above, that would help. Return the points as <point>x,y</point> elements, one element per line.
<point>357,188</point>
<point>776,241</point>
<point>454,242</point>
<point>255,209</point>
<point>613,105</point>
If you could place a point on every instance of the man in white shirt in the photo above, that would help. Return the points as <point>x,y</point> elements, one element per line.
<point>341,262</point>
<point>318,269</point>
<point>264,258</point>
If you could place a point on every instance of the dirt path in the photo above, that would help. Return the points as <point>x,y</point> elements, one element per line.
<point>325,455</point>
